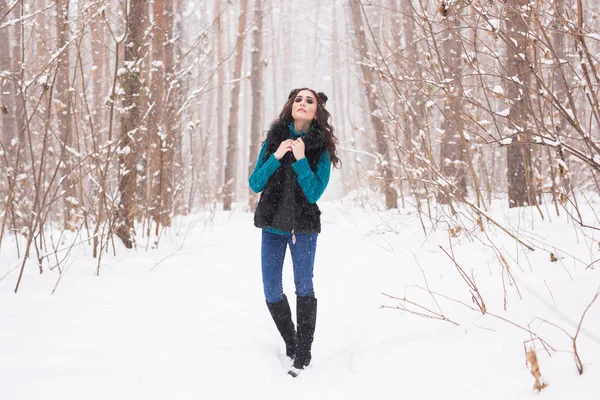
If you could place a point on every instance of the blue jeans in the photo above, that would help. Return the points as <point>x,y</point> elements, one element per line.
<point>303,258</point>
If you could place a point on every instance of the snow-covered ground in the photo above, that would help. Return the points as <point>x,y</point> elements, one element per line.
<point>188,320</point>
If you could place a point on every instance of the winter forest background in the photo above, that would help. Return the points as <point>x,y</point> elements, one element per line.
<point>119,117</point>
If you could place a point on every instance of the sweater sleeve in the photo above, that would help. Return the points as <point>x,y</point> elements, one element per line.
<point>263,170</point>
<point>313,184</point>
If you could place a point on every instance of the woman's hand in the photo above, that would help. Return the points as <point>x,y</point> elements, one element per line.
<point>284,147</point>
<point>298,148</point>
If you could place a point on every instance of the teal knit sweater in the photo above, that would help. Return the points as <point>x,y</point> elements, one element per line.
<point>313,184</point>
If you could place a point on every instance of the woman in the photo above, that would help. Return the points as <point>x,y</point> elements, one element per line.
<point>292,171</point>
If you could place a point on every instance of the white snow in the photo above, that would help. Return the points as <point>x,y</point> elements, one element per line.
<point>562,165</point>
<point>377,113</point>
<point>499,90</point>
<point>43,80</point>
<point>593,35</point>
<point>188,320</point>
<point>570,113</point>
<point>495,23</point>
<point>124,150</point>
<point>505,113</point>
<point>72,200</point>
<point>515,79</point>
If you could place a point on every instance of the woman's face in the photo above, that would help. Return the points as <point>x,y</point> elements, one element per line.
<point>304,106</point>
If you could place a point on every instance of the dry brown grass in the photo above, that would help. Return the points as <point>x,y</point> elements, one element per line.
<point>531,358</point>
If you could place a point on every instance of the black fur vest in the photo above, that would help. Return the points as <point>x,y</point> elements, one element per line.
<point>282,204</point>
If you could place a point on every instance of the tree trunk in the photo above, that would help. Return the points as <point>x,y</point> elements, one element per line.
<point>100,74</point>
<point>17,115</point>
<point>179,171</point>
<point>142,179</point>
<point>167,151</point>
<point>7,130</point>
<point>156,124</point>
<point>414,108</point>
<point>560,76</point>
<point>452,147</point>
<point>338,115</point>
<point>395,35</point>
<point>14,127</point>
<point>232,131</point>
<point>257,94</point>
<point>62,107</point>
<point>521,189</point>
<point>391,196</point>
<point>130,120</point>
<point>274,59</point>
<point>220,161</point>
<point>286,8</point>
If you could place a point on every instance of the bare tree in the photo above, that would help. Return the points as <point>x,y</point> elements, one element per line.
<point>142,193</point>
<point>274,58</point>
<point>415,104</point>
<point>99,71</point>
<point>182,87</point>
<point>285,40</point>
<point>232,133</point>
<point>6,127</point>
<point>391,196</point>
<point>63,108</point>
<point>17,58</point>
<point>14,117</point>
<point>162,127</point>
<point>521,186</point>
<point>130,119</point>
<point>156,126</point>
<point>560,77</point>
<point>167,152</point>
<point>453,145</point>
<point>257,92</point>
<point>218,32</point>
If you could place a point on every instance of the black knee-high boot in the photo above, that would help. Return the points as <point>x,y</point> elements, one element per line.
<point>282,315</point>
<point>307,318</point>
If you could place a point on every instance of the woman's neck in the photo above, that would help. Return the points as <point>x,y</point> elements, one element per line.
<point>301,126</point>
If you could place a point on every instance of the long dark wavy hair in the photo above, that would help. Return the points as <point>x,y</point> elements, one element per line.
<point>320,122</point>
